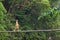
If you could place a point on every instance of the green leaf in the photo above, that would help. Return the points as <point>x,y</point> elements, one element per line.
<point>2,8</point>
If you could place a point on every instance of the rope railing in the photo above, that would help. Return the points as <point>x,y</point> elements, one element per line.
<point>33,30</point>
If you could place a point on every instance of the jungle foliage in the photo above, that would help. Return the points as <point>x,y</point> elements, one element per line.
<point>32,15</point>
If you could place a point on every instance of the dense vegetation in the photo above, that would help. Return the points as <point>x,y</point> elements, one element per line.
<point>32,15</point>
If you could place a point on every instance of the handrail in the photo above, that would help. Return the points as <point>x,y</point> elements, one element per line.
<point>48,30</point>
